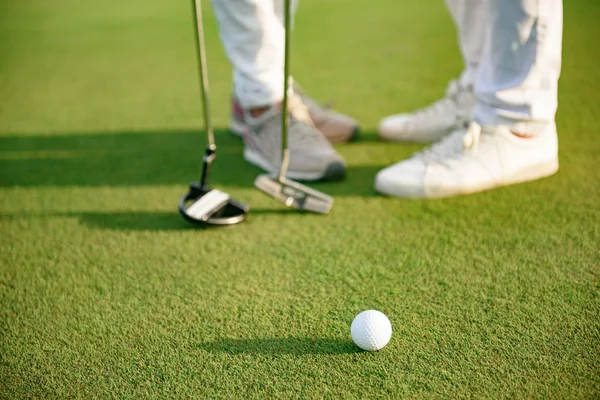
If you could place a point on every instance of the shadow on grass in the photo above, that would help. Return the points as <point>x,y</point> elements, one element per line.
<point>281,346</point>
<point>118,159</point>
<point>140,158</point>
<point>154,221</point>
<point>141,220</point>
<point>134,221</point>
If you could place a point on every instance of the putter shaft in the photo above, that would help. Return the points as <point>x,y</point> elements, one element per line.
<point>203,205</point>
<point>285,119</point>
<point>202,62</point>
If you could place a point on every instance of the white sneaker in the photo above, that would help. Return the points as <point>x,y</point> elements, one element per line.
<point>471,160</point>
<point>432,122</point>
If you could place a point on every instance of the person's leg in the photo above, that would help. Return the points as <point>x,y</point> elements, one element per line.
<point>517,84</point>
<point>336,127</point>
<point>513,138</point>
<point>470,17</point>
<point>253,37</point>
<point>440,118</point>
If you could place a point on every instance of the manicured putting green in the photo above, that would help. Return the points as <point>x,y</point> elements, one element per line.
<point>106,292</point>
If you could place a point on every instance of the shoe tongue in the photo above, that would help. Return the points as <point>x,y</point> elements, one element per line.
<point>459,93</point>
<point>451,144</point>
<point>299,109</point>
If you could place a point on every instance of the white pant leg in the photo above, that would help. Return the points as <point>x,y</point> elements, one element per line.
<point>253,37</point>
<point>279,11</point>
<point>517,84</point>
<point>470,17</point>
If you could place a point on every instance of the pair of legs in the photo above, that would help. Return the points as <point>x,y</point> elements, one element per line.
<point>507,93</point>
<point>496,126</point>
<point>252,33</point>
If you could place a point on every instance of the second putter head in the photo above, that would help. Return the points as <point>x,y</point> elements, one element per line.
<point>294,194</point>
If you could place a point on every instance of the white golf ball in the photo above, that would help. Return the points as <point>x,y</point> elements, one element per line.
<point>371,330</point>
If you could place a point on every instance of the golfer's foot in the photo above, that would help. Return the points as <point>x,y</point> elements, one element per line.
<point>336,127</point>
<point>312,157</point>
<point>432,122</point>
<point>471,160</point>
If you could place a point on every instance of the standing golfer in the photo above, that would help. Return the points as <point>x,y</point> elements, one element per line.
<point>252,33</point>
<point>496,124</point>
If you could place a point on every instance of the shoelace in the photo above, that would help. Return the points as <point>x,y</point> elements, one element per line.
<point>299,110</point>
<point>301,122</point>
<point>453,145</point>
<point>442,106</point>
<point>302,134</point>
<point>471,137</point>
<point>305,135</point>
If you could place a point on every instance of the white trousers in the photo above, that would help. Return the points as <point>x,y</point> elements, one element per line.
<point>511,50</point>
<point>253,36</point>
<point>470,18</point>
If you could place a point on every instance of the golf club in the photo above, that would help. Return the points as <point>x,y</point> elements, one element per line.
<point>203,205</point>
<point>286,191</point>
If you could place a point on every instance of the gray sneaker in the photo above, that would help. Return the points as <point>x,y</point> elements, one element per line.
<point>336,127</point>
<point>312,157</point>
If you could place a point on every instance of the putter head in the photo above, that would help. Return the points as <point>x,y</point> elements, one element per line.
<point>203,205</point>
<point>294,195</point>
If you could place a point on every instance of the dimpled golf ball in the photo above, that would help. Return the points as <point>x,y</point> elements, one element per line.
<point>371,330</point>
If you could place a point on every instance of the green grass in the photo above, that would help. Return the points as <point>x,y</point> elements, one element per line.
<point>106,292</point>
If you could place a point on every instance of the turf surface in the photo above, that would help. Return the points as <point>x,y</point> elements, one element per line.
<point>106,292</point>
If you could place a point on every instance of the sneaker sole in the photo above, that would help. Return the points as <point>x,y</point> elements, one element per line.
<point>531,173</point>
<point>334,172</point>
